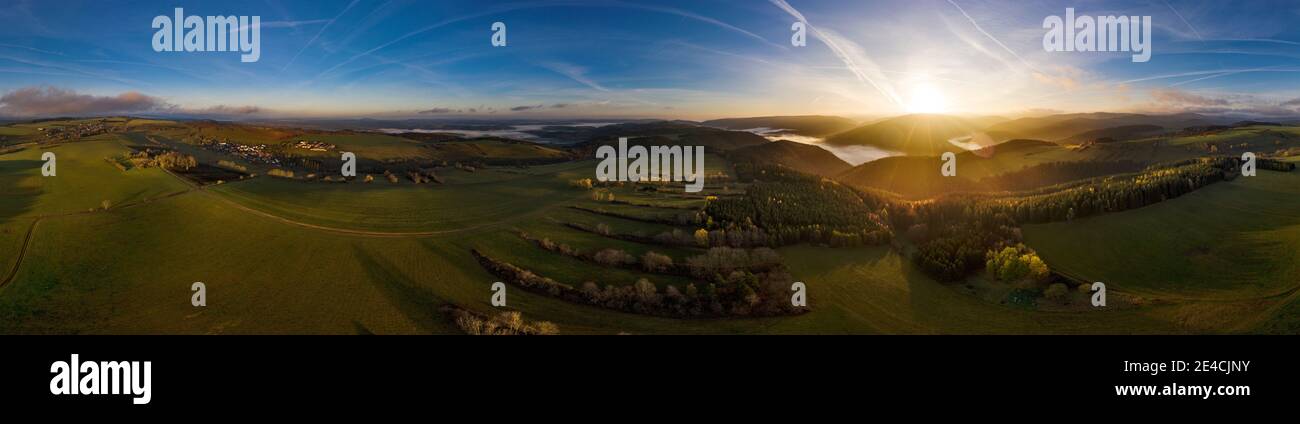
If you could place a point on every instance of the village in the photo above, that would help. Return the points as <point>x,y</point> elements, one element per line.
<point>315,146</point>
<point>69,133</point>
<point>255,153</point>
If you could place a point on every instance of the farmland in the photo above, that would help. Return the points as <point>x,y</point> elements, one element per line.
<point>116,249</point>
<point>1232,241</point>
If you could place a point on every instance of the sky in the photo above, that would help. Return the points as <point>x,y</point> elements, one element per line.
<point>697,59</point>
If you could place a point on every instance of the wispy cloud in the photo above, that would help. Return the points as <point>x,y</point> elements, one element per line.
<point>1181,97</point>
<point>855,60</point>
<point>1210,72</point>
<point>75,70</point>
<point>701,18</point>
<point>31,49</point>
<point>991,37</point>
<point>318,34</point>
<point>576,73</point>
<point>1181,18</point>
<point>535,5</point>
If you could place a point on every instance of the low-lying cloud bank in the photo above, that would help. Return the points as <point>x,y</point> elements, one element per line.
<point>54,101</point>
<point>46,101</point>
<point>1174,100</point>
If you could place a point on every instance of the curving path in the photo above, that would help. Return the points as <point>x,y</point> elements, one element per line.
<point>22,252</point>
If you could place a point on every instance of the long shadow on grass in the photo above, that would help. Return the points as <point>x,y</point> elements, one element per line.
<point>15,201</point>
<point>417,303</point>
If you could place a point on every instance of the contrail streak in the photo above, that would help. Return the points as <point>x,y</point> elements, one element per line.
<point>318,34</point>
<point>848,53</point>
<point>991,37</point>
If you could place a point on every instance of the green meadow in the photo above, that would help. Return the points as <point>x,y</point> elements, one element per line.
<point>1230,241</point>
<point>302,257</point>
<point>401,207</point>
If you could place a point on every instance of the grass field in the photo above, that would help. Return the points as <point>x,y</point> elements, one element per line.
<point>1255,135</point>
<point>83,179</point>
<point>262,277</point>
<point>490,149</point>
<point>15,130</point>
<point>287,256</point>
<point>1230,241</point>
<point>403,207</point>
<point>873,290</point>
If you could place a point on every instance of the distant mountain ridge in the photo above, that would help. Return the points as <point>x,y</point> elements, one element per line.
<point>806,125</point>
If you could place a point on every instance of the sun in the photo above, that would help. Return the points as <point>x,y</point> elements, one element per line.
<point>927,99</point>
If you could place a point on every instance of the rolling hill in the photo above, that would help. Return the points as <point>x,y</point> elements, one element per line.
<point>920,134</point>
<point>918,177</point>
<point>1069,126</point>
<point>1119,133</point>
<point>801,157</point>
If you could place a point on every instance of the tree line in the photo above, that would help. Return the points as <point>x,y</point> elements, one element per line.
<point>737,293</point>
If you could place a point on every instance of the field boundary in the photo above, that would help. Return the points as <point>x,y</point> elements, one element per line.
<point>22,252</point>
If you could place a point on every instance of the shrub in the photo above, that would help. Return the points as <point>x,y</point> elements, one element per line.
<point>231,165</point>
<point>1056,291</point>
<point>702,237</point>
<point>739,293</point>
<point>613,257</point>
<point>655,262</point>
<point>504,324</point>
<point>584,183</point>
<point>277,172</point>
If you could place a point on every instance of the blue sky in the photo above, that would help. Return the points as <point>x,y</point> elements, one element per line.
<point>673,59</point>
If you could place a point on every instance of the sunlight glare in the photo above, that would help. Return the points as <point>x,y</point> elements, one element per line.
<point>927,99</point>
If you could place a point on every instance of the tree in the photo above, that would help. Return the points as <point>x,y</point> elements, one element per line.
<point>655,262</point>
<point>1038,270</point>
<point>646,292</point>
<point>1016,264</point>
<point>613,257</point>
